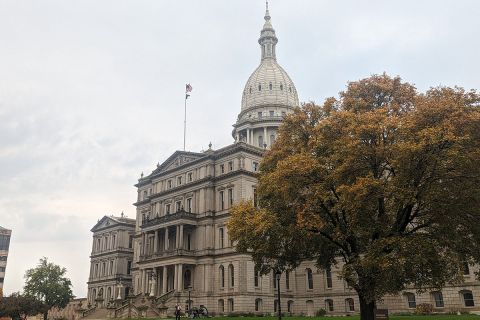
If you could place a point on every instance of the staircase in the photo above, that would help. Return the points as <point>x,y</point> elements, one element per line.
<point>96,313</point>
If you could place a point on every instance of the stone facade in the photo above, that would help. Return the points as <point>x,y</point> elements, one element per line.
<point>5,235</point>
<point>111,260</point>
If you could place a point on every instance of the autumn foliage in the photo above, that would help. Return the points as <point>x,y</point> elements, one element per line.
<point>384,182</point>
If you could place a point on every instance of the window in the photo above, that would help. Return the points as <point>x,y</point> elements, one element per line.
<point>284,113</point>
<point>329,305</point>
<point>221,237</point>
<point>270,86</point>
<point>259,87</point>
<point>96,270</point>
<point>230,305</point>
<point>287,280</point>
<point>259,115</point>
<point>3,258</point>
<point>275,306</point>
<point>179,181</point>
<point>328,274</point>
<point>129,267</point>
<point>349,305</point>
<point>110,271</point>
<point>222,168</point>
<point>290,89</point>
<point>98,245</point>
<point>258,304</point>
<point>272,113</point>
<point>250,89</point>
<point>256,277</point>
<point>221,271</point>
<point>169,184</point>
<point>222,200</point>
<point>230,166</point>
<point>290,306</point>
<point>281,86</point>
<point>230,197</point>
<point>190,177</point>
<point>260,141</point>
<point>178,206</point>
<point>167,209</point>
<point>309,278</point>
<point>145,194</point>
<point>130,241</point>
<point>221,306</point>
<point>255,166</point>
<point>272,139</point>
<point>255,198</point>
<point>411,300</point>
<point>189,205</point>
<point>231,273</point>
<point>438,298</point>
<point>274,280</point>
<point>468,299</point>
<point>466,268</point>
<point>2,269</point>
<point>114,239</point>
<point>103,269</point>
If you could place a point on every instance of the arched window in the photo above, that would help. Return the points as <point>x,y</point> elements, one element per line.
<point>100,293</point>
<point>467,296</point>
<point>231,275</point>
<point>258,304</point>
<point>270,86</point>
<point>187,279</point>
<point>329,305</point>
<point>290,306</point>
<point>349,305</point>
<point>309,278</point>
<point>411,302</point>
<point>437,297</point>
<point>221,271</point>
<point>221,306</point>
<point>328,277</point>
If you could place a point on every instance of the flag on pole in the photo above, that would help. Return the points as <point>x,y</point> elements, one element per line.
<point>188,88</point>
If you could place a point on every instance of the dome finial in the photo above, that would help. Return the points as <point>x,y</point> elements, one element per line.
<point>267,13</point>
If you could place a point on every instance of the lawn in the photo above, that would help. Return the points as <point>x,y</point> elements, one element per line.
<point>356,317</point>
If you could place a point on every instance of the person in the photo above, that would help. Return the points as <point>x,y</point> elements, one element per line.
<point>178,309</point>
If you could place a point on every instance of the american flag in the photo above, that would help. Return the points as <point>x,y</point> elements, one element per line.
<point>188,87</point>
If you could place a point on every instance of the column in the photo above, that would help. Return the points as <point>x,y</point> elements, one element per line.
<point>164,283</point>
<point>177,236</point>
<point>265,141</point>
<point>181,237</point>
<point>155,243</point>
<point>248,136</point>
<point>175,279</point>
<point>180,277</point>
<point>143,244</point>
<point>166,238</point>
<point>143,281</point>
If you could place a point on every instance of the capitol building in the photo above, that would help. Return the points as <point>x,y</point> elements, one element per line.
<point>178,246</point>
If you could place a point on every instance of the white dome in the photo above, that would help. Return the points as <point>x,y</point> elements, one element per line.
<point>269,85</point>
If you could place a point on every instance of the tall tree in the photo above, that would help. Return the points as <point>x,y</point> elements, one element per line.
<point>384,182</point>
<point>17,306</point>
<point>47,283</point>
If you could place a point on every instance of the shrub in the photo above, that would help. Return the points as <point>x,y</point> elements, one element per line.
<point>320,312</point>
<point>424,309</point>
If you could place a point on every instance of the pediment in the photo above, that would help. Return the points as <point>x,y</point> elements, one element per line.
<point>105,222</point>
<point>178,159</point>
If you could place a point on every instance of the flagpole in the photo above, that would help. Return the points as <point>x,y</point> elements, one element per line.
<point>185,122</point>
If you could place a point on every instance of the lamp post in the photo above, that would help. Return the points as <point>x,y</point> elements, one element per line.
<point>277,275</point>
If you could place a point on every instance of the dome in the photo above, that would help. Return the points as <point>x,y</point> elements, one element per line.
<point>269,85</point>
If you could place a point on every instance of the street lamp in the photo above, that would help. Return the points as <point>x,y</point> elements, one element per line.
<point>277,275</point>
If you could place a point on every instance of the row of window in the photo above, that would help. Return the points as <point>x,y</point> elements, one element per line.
<point>437,297</point>
<point>270,87</point>
<point>309,276</point>
<point>231,276</point>
<point>224,168</point>
<point>169,184</point>
<point>224,202</point>
<point>3,258</point>
<point>4,242</point>
<point>106,269</point>
<point>106,242</point>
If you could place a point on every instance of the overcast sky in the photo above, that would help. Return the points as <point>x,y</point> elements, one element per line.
<point>91,92</point>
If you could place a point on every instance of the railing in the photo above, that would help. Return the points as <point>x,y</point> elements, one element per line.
<point>259,119</point>
<point>88,311</point>
<point>164,297</point>
<point>182,214</point>
<point>168,253</point>
<point>103,251</point>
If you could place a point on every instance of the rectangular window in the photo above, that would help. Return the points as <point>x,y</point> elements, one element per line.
<point>438,297</point>
<point>178,206</point>
<point>230,197</point>
<point>3,258</point>
<point>169,184</point>
<point>255,279</point>
<point>129,267</point>
<point>255,200</point>
<point>222,201</point>
<point>287,280</point>
<point>411,300</point>
<point>221,237</point>
<point>259,115</point>
<point>466,268</point>
<point>111,268</point>
<point>189,205</point>
<point>2,269</point>
<point>328,274</point>
<point>255,166</point>
<point>222,168</point>
<point>114,239</point>
<point>284,113</point>
<point>4,242</point>
<point>190,177</point>
<point>179,181</point>
<point>274,279</point>
<point>130,241</point>
<point>272,113</point>
<point>468,299</point>
<point>230,166</point>
<point>167,209</point>
<point>1,280</point>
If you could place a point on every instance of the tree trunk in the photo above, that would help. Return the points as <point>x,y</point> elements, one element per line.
<point>367,309</point>
<point>45,315</point>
